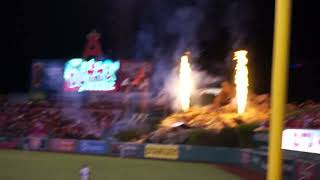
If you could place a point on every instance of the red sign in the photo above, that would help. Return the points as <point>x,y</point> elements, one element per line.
<point>62,145</point>
<point>12,144</point>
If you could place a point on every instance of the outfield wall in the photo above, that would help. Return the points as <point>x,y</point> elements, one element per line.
<point>296,165</point>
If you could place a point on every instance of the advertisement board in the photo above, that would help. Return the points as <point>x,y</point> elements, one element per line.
<point>81,75</point>
<point>132,150</point>
<point>161,151</point>
<point>245,157</point>
<point>115,149</point>
<point>303,140</point>
<point>35,143</point>
<point>62,145</point>
<point>47,75</point>
<point>209,154</point>
<point>9,143</point>
<point>92,147</point>
<point>259,163</point>
<point>91,75</point>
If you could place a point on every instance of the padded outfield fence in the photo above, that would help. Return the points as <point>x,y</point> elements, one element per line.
<point>295,165</point>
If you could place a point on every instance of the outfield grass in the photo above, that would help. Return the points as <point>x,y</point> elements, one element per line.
<point>23,165</point>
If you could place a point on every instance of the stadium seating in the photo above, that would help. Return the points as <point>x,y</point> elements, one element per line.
<point>51,119</point>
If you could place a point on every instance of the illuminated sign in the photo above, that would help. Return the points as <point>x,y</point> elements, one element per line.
<point>81,75</point>
<point>303,140</point>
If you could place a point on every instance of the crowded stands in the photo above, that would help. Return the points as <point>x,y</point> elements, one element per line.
<point>57,120</point>
<point>304,116</point>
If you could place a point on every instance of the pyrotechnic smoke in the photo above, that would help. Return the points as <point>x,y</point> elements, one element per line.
<point>166,29</point>
<point>238,22</point>
<point>170,89</point>
<point>181,27</point>
<point>71,103</point>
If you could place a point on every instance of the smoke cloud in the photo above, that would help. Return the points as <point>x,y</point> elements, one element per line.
<point>175,30</point>
<point>238,22</point>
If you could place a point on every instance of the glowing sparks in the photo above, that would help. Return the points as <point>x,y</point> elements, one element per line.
<point>185,83</point>
<point>241,80</point>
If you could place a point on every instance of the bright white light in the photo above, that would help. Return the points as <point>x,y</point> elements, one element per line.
<point>76,62</point>
<point>241,80</point>
<point>303,140</point>
<point>177,124</point>
<point>185,83</point>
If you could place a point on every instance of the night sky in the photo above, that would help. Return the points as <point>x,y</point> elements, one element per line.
<point>158,30</point>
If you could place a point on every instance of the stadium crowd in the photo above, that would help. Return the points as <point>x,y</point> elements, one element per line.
<point>96,120</point>
<point>305,116</point>
<point>56,120</point>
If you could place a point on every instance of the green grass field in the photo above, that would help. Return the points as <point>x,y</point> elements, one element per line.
<point>23,165</point>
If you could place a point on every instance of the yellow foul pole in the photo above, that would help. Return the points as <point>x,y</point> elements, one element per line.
<point>279,86</point>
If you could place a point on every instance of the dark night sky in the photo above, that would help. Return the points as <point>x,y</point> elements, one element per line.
<point>146,28</point>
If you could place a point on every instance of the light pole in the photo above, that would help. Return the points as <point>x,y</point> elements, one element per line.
<point>279,86</point>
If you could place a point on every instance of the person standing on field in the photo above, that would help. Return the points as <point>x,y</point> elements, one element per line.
<point>85,173</point>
